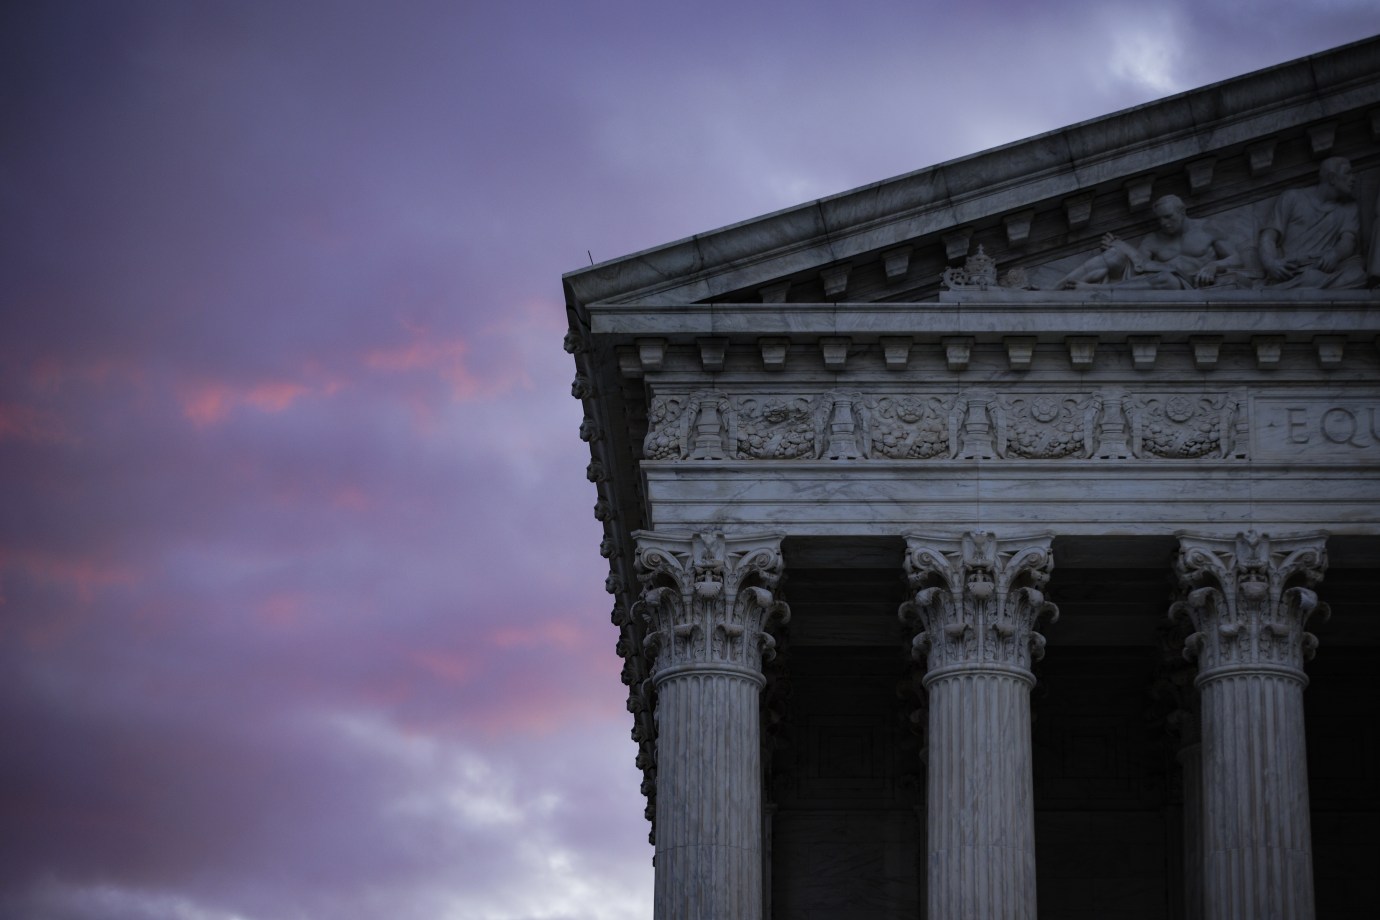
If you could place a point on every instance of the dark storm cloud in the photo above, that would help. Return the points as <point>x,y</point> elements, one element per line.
<point>301,612</point>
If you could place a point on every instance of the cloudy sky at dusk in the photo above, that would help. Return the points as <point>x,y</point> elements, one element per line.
<point>301,606</point>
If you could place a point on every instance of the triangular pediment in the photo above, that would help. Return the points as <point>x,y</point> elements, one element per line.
<point>1039,208</point>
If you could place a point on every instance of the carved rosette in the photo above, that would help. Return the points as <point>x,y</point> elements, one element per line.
<point>707,600</point>
<point>976,601</point>
<point>1249,598</point>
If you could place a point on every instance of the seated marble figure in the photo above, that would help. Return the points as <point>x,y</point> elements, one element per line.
<point>1311,237</point>
<point>1182,254</point>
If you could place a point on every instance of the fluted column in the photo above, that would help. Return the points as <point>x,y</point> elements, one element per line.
<point>1249,598</point>
<point>975,603</point>
<point>707,599</point>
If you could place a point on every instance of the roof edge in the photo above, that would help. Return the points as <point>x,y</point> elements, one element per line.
<point>945,194</point>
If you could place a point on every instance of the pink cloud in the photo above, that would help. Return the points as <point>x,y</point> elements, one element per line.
<point>351,498</point>
<point>26,423</point>
<point>205,404</point>
<point>450,667</point>
<point>52,371</point>
<point>441,357</point>
<point>84,576</point>
<point>275,396</point>
<point>223,222</point>
<point>559,633</point>
<point>284,609</point>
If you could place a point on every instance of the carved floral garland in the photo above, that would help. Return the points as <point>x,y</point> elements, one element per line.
<point>972,424</point>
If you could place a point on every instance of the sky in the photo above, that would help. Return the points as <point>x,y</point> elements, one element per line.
<point>301,604</point>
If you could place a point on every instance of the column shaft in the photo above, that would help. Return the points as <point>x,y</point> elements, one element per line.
<point>1249,598</point>
<point>707,598</point>
<point>1256,836</point>
<point>976,603</point>
<point>709,798</point>
<point>981,802</point>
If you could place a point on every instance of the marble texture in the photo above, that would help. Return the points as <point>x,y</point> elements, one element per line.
<point>976,601</point>
<point>709,803</point>
<point>1257,846</point>
<point>707,599</point>
<point>994,313</point>
<point>1075,497</point>
<point>1249,599</point>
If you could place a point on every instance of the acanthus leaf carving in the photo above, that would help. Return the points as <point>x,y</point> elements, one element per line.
<point>1249,598</point>
<point>707,599</point>
<point>976,600</point>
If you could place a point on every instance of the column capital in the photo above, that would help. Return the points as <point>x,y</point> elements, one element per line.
<point>707,598</point>
<point>976,599</point>
<point>1248,598</point>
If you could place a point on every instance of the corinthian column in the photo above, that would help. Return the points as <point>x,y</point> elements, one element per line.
<point>707,600</point>
<point>1248,598</point>
<point>975,604</point>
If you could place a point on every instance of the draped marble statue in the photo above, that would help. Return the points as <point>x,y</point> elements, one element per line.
<point>1310,239</point>
<point>1307,238</point>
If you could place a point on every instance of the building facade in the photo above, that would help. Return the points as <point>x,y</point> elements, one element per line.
<point>998,540</point>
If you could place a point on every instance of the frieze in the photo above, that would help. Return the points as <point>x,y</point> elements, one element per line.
<point>975,424</point>
<point>910,427</point>
<point>1183,426</point>
<point>1048,426</point>
<point>777,428</point>
<point>1301,428</point>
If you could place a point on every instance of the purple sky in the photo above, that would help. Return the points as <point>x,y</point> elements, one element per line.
<point>301,606</point>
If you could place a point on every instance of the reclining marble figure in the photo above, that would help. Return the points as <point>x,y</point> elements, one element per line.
<point>1184,253</point>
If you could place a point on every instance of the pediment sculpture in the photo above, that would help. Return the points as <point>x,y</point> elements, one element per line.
<point>1311,237</point>
<point>1304,239</point>
<point>1181,254</point>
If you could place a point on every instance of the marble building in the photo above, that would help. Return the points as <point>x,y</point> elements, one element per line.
<point>999,540</point>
